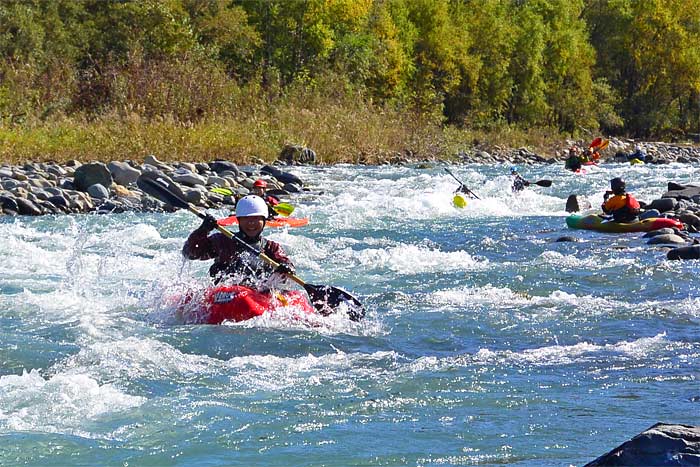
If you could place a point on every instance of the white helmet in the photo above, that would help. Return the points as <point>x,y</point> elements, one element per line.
<point>251,205</point>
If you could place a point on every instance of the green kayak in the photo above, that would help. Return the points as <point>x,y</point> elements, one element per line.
<point>597,223</point>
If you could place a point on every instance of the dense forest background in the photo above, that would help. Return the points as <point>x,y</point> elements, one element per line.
<point>353,78</point>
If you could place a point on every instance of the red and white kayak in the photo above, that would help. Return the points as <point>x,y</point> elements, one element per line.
<point>239,303</point>
<point>276,222</point>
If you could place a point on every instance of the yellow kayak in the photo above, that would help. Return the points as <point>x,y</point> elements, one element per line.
<point>636,161</point>
<point>459,200</point>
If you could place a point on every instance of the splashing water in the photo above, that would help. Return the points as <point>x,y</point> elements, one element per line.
<point>485,341</point>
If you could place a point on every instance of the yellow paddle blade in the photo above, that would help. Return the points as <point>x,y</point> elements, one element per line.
<point>283,209</point>
<point>222,191</point>
<point>459,200</point>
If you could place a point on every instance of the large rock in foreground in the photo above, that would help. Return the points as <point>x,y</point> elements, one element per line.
<point>660,445</point>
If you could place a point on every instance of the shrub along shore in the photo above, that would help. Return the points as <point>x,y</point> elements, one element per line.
<point>356,136</point>
<point>338,134</point>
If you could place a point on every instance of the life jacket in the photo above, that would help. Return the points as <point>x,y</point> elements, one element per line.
<point>272,200</point>
<point>624,207</point>
<point>632,203</point>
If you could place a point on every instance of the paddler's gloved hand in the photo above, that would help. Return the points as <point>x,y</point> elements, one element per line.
<point>208,224</point>
<point>285,269</point>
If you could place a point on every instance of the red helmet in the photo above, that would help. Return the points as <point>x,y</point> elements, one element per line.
<point>260,183</point>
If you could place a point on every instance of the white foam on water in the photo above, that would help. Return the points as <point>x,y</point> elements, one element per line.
<point>293,318</point>
<point>273,373</point>
<point>504,297</point>
<point>58,404</point>
<point>135,358</point>
<point>412,259</point>
<point>589,262</point>
<point>557,355</point>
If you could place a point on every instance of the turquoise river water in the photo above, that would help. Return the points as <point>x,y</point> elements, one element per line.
<point>486,342</point>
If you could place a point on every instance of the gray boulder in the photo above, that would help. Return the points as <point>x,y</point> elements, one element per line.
<point>195,197</point>
<point>26,207</point>
<point>649,214</point>
<point>284,177</point>
<point>654,233</point>
<point>660,445</point>
<point>684,252</point>
<point>294,153</point>
<point>59,201</point>
<point>576,203</point>
<point>667,239</point>
<point>291,188</point>
<point>90,174</point>
<point>8,202</point>
<point>185,177</point>
<point>224,166</point>
<point>98,191</point>
<point>151,160</point>
<point>123,173</point>
<point>213,180</point>
<point>690,219</point>
<point>678,191</point>
<point>663,204</point>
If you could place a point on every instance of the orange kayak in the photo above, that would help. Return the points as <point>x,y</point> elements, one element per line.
<point>277,222</point>
<point>239,303</point>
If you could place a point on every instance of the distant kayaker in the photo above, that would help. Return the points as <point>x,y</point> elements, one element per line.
<point>232,261</point>
<point>573,162</point>
<point>639,154</point>
<point>519,183</point>
<point>260,189</point>
<point>621,205</point>
<point>466,191</point>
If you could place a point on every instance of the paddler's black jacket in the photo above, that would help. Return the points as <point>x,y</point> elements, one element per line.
<point>232,259</point>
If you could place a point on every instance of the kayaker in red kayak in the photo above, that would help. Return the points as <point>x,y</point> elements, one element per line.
<point>232,262</point>
<point>260,189</point>
<point>622,206</point>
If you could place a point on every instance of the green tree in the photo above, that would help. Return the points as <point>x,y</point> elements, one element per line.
<point>650,52</point>
<point>224,29</point>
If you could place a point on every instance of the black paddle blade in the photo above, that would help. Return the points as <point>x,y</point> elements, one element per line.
<point>162,188</point>
<point>326,299</point>
<point>462,187</point>
<point>544,183</point>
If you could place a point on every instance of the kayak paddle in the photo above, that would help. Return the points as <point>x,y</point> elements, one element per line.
<point>595,143</point>
<point>462,185</point>
<point>324,298</point>
<point>283,209</point>
<point>544,183</point>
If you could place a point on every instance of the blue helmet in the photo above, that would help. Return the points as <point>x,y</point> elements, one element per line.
<point>513,169</point>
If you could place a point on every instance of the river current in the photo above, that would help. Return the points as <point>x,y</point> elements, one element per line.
<point>486,342</point>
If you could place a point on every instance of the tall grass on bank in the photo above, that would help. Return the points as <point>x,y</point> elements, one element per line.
<point>337,134</point>
<point>189,109</point>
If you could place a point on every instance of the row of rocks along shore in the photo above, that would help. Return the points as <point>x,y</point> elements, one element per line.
<point>35,189</point>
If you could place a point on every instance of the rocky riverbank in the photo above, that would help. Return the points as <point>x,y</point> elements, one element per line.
<point>617,150</point>
<point>35,189</point>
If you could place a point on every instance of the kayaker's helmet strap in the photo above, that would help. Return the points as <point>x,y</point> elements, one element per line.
<point>251,205</point>
<point>617,185</point>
